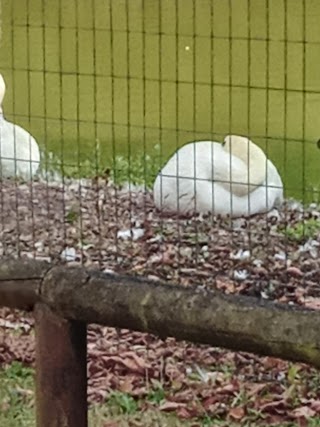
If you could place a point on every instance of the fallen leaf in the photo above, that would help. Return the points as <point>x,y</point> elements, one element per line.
<point>311,302</point>
<point>295,271</point>
<point>254,389</point>
<point>111,424</point>
<point>126,386</point>
<point>303,412</point>
<point>171,406</point>
<point>237,413</point>
<point>273,405</point>
<point>315,405</point>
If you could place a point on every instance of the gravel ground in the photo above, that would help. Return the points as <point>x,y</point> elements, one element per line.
<point>97,225</point>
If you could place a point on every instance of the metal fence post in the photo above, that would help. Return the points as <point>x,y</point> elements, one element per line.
<point>61,370</point>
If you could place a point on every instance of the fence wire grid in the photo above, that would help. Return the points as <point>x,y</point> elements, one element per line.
<point>115,93</point>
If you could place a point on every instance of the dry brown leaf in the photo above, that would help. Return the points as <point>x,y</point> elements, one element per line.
<point>185,413</point>
<point>315,405</point>
<point>126,386</point>
<point>295,271</point>
<point>254,389</point>
<point>311,302</point>
<point>237,413</point>
<point>270,406</point>
<point>111,424</point>
<point>126,362</point>
<point>303,412</point>
<point>171,406</point>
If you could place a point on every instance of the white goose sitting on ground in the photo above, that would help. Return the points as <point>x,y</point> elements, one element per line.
<point>19,151</point>
<point>230,179</point>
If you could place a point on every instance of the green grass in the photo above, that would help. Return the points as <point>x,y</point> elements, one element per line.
<point>122,403</point>
<point>304,230</point>
<point>156,394</point>
<point>16,396</point>
<point>72,216</point>
<point>17,405</point>
<point>120,409</point>
<point>139,169</point>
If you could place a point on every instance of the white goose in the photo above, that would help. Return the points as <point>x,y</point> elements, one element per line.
<point>19,151</point>
<point>234,178</point>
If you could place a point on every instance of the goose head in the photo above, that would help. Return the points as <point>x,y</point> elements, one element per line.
<point>2,91</point>
<point>255,160</point>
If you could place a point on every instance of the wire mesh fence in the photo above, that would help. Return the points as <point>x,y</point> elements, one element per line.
<point>112,92</point>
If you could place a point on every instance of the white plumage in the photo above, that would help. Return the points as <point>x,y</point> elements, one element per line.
<point>19,151</point>
<point>234,178</point>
